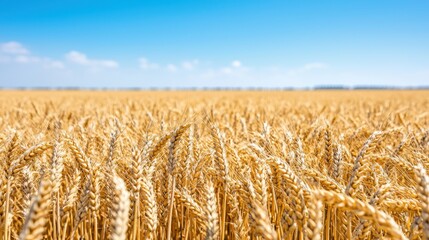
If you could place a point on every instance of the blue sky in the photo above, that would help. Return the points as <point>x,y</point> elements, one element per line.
<point>217,43</point>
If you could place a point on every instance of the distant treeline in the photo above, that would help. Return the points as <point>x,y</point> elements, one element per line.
<point>369,87</point>
<point>318,87</point>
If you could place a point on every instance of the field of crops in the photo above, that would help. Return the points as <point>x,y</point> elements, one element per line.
<point>214,165</point>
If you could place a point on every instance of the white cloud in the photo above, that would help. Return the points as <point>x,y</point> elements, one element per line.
<point>226,70</point>
<point>308,67</point>
<point>236,63</point>
<point>13,48</point>
<point>315,65</point>
<point>172,68</point>
<point>27,59</point>
<point>81,59</point>
<point>146,64</point>
<point>190,65</point>
<point>77,57</point>
<point>16,53</point>
<point>235,69</point>
<point>45,62</point>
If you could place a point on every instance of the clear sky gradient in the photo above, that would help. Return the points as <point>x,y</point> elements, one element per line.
<point>217,43</point>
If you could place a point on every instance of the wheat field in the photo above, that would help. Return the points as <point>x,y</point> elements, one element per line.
<point>214,165</point>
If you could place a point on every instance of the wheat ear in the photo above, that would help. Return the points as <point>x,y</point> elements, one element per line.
<point>120,210</point>
<point>37,217</point>
<point>423,192</point>
<point>363,210</point>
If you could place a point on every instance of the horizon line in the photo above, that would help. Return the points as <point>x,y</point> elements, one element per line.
<point>317,87</point>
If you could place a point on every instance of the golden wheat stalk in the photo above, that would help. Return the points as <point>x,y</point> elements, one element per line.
<point>363,210</point>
